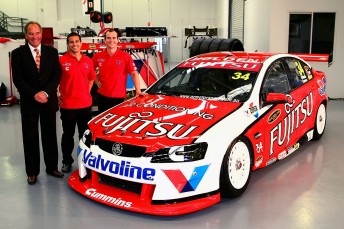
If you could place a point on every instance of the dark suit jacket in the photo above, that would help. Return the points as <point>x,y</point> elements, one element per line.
<point>29,81</point>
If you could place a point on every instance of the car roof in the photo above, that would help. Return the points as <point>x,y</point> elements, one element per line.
<point>228,60</point>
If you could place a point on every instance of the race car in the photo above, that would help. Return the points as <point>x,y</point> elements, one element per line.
<point>200,131</point>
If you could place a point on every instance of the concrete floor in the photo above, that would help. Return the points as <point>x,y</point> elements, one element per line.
<point>305,190</point>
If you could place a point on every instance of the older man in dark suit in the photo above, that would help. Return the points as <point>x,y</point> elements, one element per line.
<point>36,74</point>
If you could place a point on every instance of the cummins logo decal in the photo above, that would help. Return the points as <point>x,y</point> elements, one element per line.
<point>109,199</point>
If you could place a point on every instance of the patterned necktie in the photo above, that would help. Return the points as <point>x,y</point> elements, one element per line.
<point>38,59</point>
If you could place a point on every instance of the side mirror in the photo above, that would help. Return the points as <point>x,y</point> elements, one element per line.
<point>277,98</point>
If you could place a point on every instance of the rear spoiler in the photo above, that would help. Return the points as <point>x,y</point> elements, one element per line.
<point>316,57</point>
<point>307,57</point>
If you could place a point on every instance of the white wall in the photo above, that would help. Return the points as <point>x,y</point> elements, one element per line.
<point>221,17</point>
<point>267,28</point>
<point>256,26</point>
<point>175,15</point>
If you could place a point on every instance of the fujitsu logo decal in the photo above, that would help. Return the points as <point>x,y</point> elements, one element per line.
<point>296,116</point>
<point>136,123</point>
<point>186,185</point>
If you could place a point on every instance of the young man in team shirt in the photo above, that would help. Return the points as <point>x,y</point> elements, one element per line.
<point>75,98</point>
<point>113,66</point>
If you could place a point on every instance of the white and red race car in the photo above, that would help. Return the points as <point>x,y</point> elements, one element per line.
<point>200,131</point>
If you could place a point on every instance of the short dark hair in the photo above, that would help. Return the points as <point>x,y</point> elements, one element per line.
<point>73,34</point>
<point>110,31</point>
<point>26,28</point>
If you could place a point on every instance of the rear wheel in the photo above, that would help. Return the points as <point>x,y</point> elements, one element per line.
<point>320,122</point>
<point>236,168</point>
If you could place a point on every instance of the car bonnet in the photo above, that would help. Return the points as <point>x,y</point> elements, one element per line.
<point>156,121</point>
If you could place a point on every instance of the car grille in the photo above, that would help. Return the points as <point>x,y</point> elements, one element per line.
<point>121,184</point>
<point>126,149</point>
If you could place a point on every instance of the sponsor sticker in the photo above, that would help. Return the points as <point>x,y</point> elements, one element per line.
<point>119,168</point>
<point>181,183</point>
<point>274,116</point>
<point>252,110</point>
<point>92,192</point>
<point>282,155</point>
<point>135,124</point>
<point>297,114</point>
<point>271,161</point>
<point>259,161</point>
<point>322,86</point>
<point>293,148</point>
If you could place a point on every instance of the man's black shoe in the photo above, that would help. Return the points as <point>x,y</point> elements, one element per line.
<point>55,173</point>
<point>31,180</point>
<point>66,168</point>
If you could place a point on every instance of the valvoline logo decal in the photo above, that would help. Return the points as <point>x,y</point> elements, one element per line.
<point>186,185</point>
<point>120,168</point>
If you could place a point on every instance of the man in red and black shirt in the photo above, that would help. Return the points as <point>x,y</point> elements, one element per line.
<point>113,66</point>
<point>76,82</point>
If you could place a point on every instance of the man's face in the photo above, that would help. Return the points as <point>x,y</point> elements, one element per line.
<point>74,44</point>
<point>111,39</point>
<point>34,35</point>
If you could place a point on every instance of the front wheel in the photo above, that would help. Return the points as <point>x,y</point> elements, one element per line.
<point>320,122</point>
<point>236,168</point>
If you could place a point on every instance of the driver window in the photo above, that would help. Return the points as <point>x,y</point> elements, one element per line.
<point>300,73</point>
<point>276,80</point>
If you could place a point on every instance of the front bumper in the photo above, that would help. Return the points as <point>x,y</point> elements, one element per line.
<point>154,196</point>
<point>140,203</point>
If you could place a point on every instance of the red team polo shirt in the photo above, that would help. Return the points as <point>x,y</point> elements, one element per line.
<point>113,72</point>
<point>74,87</point>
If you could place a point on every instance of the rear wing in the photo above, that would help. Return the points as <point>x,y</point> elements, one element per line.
<point>307,57</point>
<point>316,57</point>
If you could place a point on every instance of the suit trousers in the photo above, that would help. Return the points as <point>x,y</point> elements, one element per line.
<point>70,119</point>
<point>30,123</point>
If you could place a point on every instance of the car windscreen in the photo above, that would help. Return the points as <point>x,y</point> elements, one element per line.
<point>206,83</point>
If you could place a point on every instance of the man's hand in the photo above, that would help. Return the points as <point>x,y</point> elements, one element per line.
<point>41,97</point>
<point>98,83</point>
<point>140,93</point>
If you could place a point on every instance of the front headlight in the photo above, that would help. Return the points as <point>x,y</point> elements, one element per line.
<point>185,153</point>
<point>86,138</point>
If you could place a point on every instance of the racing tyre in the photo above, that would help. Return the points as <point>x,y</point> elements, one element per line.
<point>320,122</point>
<point>236,168</point>
<point>204,48</point>
<point>231,44</point>
<point>194,48</point>
<point>214,46</point>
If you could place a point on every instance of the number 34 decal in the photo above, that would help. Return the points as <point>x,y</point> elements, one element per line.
<point>239,75</point>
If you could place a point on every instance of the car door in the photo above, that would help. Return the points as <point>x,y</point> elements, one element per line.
<point>299,75</point>
<point>278,129</point>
